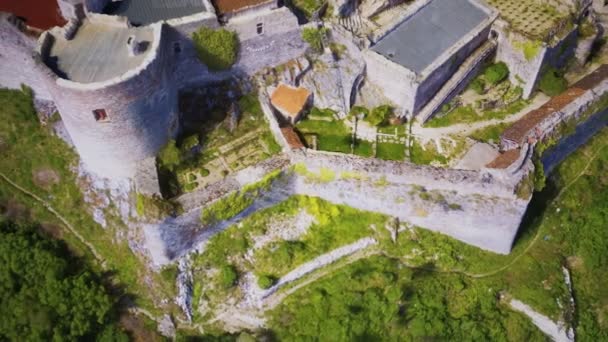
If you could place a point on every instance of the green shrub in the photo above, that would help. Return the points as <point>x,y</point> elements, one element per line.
<point>189,143</point>
<point>315,37</point>
<point>169,156</point>
<point>379,115</point>
<point>496,73</point>
<point>203,172</point>
<point>266,282</point>
<point>228,276</point>
<point>553,82</point>
<point>478,85</point>
<point>359,111</point>
<point>218,49</point>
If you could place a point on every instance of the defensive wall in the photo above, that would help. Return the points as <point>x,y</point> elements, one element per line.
<point>141,107</point>
<point>17,66</point>
<point>483,208</point>
<point>411,90</point>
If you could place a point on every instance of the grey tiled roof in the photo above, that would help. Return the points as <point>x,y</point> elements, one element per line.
<point>422,38</point>
<point>144,12</point>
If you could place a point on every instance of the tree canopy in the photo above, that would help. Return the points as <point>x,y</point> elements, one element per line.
<point>218,49</point>
<point>45,294</point>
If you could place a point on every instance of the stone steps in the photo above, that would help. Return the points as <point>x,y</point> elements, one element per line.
<point>464,73</point>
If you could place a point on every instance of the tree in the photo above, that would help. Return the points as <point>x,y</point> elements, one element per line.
<point>315,37</point>
<point>496,73</point>
<point>218,49</point>
<point>379,115</point>
<point>552,82</point>
<point>45,294</point>
<point>169,156</point>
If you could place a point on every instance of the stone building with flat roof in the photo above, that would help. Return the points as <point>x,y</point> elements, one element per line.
<point>413,60</point>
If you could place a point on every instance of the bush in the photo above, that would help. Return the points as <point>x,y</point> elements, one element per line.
<point>189,143</point>
<point>496,73</point>
<point>266,282</point>
<point>552,82</point>
<point>169,156</point>
<point>218,49</point>
<point>478,86</point>
<point>315,37</point>
<point>228,276</point>
<point>379,115</point>
<point>358,111</point>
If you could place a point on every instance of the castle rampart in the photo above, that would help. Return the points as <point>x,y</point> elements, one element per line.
<point>116,123</point>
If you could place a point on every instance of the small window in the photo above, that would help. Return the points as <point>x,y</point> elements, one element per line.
<point>177,47</point>
<point>260,28</point>
<point>100,115</point>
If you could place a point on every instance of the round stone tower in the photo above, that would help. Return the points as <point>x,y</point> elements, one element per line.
<point>112,85</point>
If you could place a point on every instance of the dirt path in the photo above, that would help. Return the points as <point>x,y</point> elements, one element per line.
<point>65,222</point>
<point>429,133</point>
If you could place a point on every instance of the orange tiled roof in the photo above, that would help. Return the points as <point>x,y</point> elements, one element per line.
<point>504,160</point>
<point>230,6</point>
<point>520,129</point>
<point>289,100</point>
<point>292,138</point>
<point>41,14</point>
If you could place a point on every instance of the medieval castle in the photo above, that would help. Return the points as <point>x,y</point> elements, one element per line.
<point>113,69</point>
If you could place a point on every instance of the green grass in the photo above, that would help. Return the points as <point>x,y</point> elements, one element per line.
<point>364,149</point>
<point>308,7</point>
<point>332,136</point>
<point>389,151</point>
<point>468,114</point>
<point>405,294</point>
<point>217,49</point>
<point>378,300</point>
<point>427,155</point>
<point>490,133</point>
<point>26,148</point>
<point>334,226</point>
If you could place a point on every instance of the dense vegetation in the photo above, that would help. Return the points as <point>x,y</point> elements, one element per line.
<point>32,156</point>
<point>47,294</point>
<point>218,49</point>
<point>552,82</point>
<point>429,286</point>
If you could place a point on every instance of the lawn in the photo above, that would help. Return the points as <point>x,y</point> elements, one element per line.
<point>388,151</point>
<point>490,133</point>
<point>332,136</point>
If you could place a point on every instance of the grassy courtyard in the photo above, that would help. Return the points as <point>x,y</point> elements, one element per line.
<point>321,129</point>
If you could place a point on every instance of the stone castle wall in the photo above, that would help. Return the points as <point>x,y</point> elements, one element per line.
<point>443,72</point>
<point>527,72</point>
<point>17,66</point>
<point>141,107</point>
<point>274,21</point>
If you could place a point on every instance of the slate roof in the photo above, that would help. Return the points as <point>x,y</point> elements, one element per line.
<point>144,12</point>
<point>425,36</point>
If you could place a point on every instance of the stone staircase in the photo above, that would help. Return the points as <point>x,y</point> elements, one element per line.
<point>465,73</point>
<point>354,24</point>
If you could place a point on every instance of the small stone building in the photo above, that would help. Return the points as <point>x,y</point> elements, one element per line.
<point>290,101</point>
<point>437,39</point>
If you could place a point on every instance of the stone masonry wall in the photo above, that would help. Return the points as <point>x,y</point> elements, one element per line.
<point>274,21</point>
<point>438,77</point>
<point>17,66</point>
<point>141,109</point>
